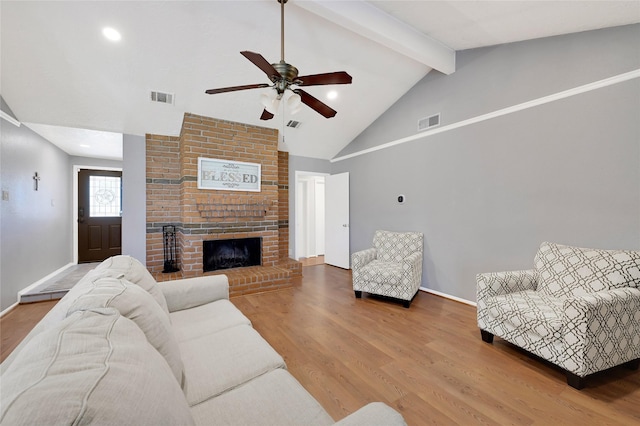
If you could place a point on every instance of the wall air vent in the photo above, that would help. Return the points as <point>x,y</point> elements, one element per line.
<point>429,122</point>
<point>162,98</point>
<point>294,124</point>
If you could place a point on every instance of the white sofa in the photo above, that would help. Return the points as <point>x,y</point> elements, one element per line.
<point>121,349</point>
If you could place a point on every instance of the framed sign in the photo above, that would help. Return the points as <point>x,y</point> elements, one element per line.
<point>228,175</point>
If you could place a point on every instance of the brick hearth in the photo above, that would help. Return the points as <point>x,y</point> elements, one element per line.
<point>199,214</point>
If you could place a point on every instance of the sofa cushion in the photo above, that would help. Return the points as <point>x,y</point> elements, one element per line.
<point>530,320</point>
<point>140,307</point>
<point>396,246</point>
<point>530,310</point>
<point>53,317</point>
<point>94,367</point>
<point>276,398</point>
<point>221,361</point>
<point>132,270</point>
<point>206,319</point>
<point>566,271</point>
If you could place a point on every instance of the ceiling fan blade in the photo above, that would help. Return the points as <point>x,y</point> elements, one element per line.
<point>235,88</point>
<point>266,115</point>
<point>339,77</point>
<point>315,104</point>
<point>260,62</point>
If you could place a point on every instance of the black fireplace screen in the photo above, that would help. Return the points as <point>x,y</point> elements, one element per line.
<point>231,253</point>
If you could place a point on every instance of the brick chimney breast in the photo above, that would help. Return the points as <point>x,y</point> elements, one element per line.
<point>173,198</point>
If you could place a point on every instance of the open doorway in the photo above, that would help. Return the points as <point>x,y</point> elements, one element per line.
<point>310,216</point>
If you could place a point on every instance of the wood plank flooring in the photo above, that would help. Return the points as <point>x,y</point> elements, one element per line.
<point>428,361</point>
<point>17,323</point>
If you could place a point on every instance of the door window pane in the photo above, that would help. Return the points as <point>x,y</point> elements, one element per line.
<point>104,193</point>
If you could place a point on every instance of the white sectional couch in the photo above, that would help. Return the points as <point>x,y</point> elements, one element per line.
<point>121,349</point>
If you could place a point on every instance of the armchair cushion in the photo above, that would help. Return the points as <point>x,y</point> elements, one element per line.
<point>396,246</point>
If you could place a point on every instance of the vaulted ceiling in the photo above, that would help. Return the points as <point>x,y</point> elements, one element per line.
<point>59,74</point>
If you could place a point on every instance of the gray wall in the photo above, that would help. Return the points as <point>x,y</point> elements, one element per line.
<point>302,164</point>
<point>488,194</point>
<point>35,225</point>
<point>36,229</point>
<point>134,194</point>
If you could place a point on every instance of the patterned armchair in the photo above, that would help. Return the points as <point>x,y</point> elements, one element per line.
<point>579,308</point>
<point>393,267</point>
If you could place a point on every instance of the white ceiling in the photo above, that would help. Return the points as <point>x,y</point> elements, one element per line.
<point>58,70</point>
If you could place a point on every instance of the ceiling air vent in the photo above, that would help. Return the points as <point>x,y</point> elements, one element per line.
<point>294,124</point>
<point>429,122</point>
<point>162,98</point>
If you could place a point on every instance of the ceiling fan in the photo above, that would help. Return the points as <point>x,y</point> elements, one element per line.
<point>285,77</point>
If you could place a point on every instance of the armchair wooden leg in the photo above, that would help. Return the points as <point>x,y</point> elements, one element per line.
<point>406,303</point>
<point>358,294</point>
<point>575,381</point>
<point>632,365</point>
<point>486,336</point>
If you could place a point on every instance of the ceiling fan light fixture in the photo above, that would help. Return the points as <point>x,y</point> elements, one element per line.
<point>270,101</point>
<point>294,103</point>
<point>283,76</point>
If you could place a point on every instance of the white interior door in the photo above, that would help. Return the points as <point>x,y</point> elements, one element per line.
<point>336,249</point>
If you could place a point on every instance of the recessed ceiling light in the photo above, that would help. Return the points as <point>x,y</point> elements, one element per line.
<point>332,94</point>
<point>111,34</point>
<point>82,145</point>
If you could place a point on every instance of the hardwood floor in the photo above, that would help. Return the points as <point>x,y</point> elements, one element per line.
<point>428,361</point>
<point>17,323</point>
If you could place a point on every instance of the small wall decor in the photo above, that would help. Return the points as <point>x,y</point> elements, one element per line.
<point>228,175</point>
<point>36,178</point>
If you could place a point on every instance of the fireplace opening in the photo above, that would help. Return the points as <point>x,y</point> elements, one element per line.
<point>231,253</point>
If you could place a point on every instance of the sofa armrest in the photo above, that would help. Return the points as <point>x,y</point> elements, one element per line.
<point>373,414</point>
<point>602,330</point>
<point>362,257</point>
<point>496,283</point>
<point>191,292</point>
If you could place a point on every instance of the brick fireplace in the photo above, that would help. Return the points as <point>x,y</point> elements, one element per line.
<point>199,215</point>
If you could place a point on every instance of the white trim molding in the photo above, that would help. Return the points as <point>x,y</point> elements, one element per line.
<point>9,118</point>
<point>448,296</point>
<point>41,280</point>
<point>34,285</point>
<point>620,78</point>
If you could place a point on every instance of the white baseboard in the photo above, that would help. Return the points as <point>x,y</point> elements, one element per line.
<point>448,296</point>
<point>6,311</point>
<point>36,284</point>
<point>41,280</point>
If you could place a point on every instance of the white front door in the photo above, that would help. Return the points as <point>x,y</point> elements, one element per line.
<point>337,220</point>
